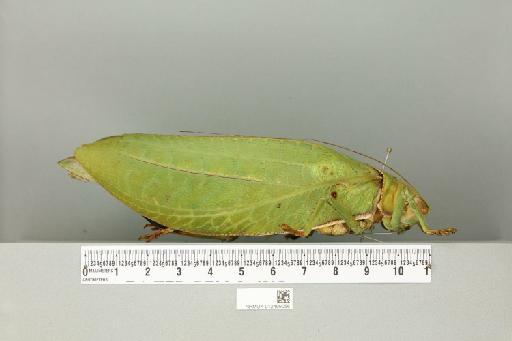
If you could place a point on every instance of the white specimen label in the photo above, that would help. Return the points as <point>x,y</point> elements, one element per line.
<point>264,298</point>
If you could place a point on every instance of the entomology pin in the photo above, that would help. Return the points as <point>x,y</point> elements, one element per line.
<point>225,186</point>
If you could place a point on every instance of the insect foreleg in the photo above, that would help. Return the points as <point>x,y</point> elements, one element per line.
<point>398,209</point>
<point>394,223</point>
<point>421,219</point>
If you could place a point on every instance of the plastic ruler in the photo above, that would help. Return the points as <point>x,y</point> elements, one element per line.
<point>255,263</point>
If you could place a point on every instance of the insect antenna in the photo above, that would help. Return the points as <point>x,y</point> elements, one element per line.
<point>369,238</point>
<point>384,165</point>
<point>365,235</point>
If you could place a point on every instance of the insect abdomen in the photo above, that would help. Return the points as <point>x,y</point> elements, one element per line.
<point>218,185</point>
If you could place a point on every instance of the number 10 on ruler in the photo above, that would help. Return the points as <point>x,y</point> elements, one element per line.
<point>255,263</point>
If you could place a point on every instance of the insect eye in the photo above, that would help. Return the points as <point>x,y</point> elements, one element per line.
<point>334,194</point>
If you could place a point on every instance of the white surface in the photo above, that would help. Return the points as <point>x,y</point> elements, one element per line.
<point>469,298</point>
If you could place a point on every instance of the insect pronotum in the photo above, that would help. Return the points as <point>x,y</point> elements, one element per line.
<point>228,186</point>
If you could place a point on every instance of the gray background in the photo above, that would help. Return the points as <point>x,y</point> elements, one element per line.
<point>469,299</point>
<point>431,79</point>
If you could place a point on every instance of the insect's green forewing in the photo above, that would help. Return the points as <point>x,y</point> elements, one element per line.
<point>230,185</point>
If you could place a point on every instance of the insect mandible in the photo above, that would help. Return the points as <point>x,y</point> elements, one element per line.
<point>225,186</point>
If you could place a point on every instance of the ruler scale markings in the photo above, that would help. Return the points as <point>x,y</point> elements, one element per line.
<point>256,263</point>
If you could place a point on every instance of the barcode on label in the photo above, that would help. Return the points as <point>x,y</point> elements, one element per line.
<point>264,298</point>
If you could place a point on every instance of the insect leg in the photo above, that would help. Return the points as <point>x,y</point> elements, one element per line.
<point>161,229</point>
<point>153,224</point>
<point>346,216</point>
<point>156,234</point>
<point>334,228</point>
<point>157,227</point>
<point>294,233</point>
<point>421,219</point>
<point>310,225</point>
<point>308,228</point>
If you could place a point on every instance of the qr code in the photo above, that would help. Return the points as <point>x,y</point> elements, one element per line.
<point>283,296</point>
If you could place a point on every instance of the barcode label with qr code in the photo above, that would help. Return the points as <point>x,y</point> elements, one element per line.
<point>264,298</point>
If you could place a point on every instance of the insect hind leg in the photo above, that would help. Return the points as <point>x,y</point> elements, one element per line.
<point>158,230</point>
<point>334,228</point>
<point>293,233</point>
<point>153,224</point>
<point>156,234</point>
<point>348,219</point>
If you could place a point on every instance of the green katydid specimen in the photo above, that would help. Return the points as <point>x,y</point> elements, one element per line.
<point>229,186</point>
